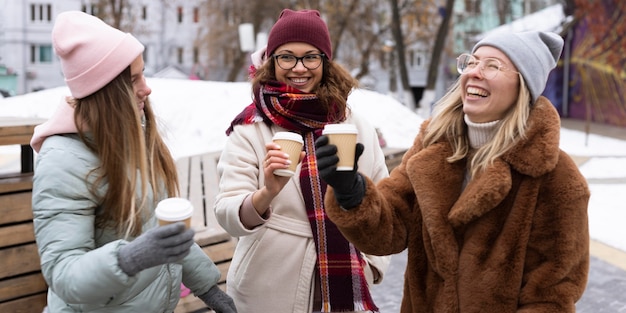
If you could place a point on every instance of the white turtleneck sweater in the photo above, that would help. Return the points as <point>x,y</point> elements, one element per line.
<point>478,134</point>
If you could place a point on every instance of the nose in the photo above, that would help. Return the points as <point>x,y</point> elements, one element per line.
<point>299,67</point>
<point>144,90</point>
<point>475,72</point>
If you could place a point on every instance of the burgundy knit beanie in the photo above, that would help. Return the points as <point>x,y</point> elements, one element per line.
<point>300,26</point>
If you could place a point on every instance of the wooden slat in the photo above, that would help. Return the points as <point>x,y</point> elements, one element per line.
<point>17,130</point>
<point>210,185</point>
<point>14,288</point>
<point>199,183</point>
<point>196,193</point>
<point>31,304</point>
<point>19,260</point>
<point>16,207</point>
<point>211,236</point>
<point>16,234</point>
<point>16,182</point>
<point>221,252</point>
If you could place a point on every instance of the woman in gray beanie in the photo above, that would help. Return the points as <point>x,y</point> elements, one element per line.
<point>492,212</point>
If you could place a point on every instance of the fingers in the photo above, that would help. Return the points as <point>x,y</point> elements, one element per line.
<point>321,141</point>
<point>168,230</point>
<point>358,151</point>
<point>275,158</point>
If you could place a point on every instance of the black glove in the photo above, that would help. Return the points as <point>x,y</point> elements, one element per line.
<point>218,301</point>
<point>349,186</point>
<point>160,245</point>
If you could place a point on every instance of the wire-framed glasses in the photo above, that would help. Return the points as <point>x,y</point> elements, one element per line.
<point>489,67</point>
<point>289,61</point>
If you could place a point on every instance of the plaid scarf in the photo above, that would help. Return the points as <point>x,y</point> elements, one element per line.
<point>340,265</point>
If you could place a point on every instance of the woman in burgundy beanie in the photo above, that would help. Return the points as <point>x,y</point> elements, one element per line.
<point>290,257</point>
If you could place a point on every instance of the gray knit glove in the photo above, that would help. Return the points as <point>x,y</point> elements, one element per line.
<point>218,300</point>
<point>160,245</point>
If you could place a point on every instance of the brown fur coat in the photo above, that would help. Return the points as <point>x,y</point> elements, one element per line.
<point>515,240</point>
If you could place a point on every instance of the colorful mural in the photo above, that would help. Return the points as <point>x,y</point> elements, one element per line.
<point>596,65</point>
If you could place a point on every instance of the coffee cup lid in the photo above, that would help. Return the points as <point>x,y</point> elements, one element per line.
<point>173,209</point>
<point>339,129</point>
<point>288,136</point>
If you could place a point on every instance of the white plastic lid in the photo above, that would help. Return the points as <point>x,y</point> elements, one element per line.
<point>339,129</point>
<point>174,209</point>
<point>288,136</point>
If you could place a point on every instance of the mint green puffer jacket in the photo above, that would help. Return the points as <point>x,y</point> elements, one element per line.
<point>79,261</point>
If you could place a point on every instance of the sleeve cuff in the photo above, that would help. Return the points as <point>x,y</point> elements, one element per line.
<point>249,216</point>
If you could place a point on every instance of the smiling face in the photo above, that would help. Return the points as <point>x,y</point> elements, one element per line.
<point>299,77</point>
<point>140,88</point>
<point>487,100</point>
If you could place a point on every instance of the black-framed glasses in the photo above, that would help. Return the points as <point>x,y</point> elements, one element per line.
<point>489,67</point>
<point>289,61</point>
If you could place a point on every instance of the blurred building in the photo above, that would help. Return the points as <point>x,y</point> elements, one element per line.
<point>169,30</point>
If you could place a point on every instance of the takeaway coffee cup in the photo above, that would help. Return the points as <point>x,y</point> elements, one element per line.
<point>172,210</point>
<point>344,137</point>
<point>290,143</point>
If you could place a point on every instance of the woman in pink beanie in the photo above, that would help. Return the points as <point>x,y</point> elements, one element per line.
<point>101,169</point>
<point>492,212</point>
<point>290,257</point>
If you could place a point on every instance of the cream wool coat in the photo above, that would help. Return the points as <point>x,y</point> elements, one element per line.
<point>515,239</point>
<point>273,265</point>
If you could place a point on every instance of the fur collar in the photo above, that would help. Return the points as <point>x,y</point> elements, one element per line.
<point>438,183</point>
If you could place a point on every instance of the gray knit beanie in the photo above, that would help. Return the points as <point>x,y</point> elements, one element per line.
<point>534,54</point>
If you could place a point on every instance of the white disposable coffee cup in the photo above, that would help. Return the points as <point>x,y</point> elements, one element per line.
<point>344,137</point>
<point>290,143</point>
<point>172,210</point>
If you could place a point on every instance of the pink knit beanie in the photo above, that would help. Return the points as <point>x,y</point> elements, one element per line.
<point>92,53</point>
<point>300,26</point>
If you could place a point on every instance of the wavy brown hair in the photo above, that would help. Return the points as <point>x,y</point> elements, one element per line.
<point>335,86</point>
<point>132,154</point>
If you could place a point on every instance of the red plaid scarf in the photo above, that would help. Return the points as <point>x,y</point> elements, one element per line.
<point>340,265</point>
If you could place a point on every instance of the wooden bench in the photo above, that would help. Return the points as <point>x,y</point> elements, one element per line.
<point>199,183</point>
<point>22,287</point>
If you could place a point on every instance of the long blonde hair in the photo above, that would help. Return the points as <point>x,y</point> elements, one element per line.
<point>132,156</point>
<point>447,124</point>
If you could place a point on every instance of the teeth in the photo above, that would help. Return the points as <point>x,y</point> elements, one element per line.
<point>477,91</point>
<point>298,80</point>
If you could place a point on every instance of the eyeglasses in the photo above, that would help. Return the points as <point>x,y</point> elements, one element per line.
<point>309,61</point>
<point>489,67</point>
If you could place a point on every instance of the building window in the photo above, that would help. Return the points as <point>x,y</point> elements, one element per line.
<point>144,13</point>
<point>472,6</point>
<point>40,12</point>
<point>89,9</point>
<point>196,55</point>
<point>196,15</point>
<point>41,54</point>
<point>179,55</point>
<point>180,14</point>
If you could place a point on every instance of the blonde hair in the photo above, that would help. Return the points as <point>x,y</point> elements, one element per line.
<point>334,88</point>
<point>447,124</point>
<point>132,156</point>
